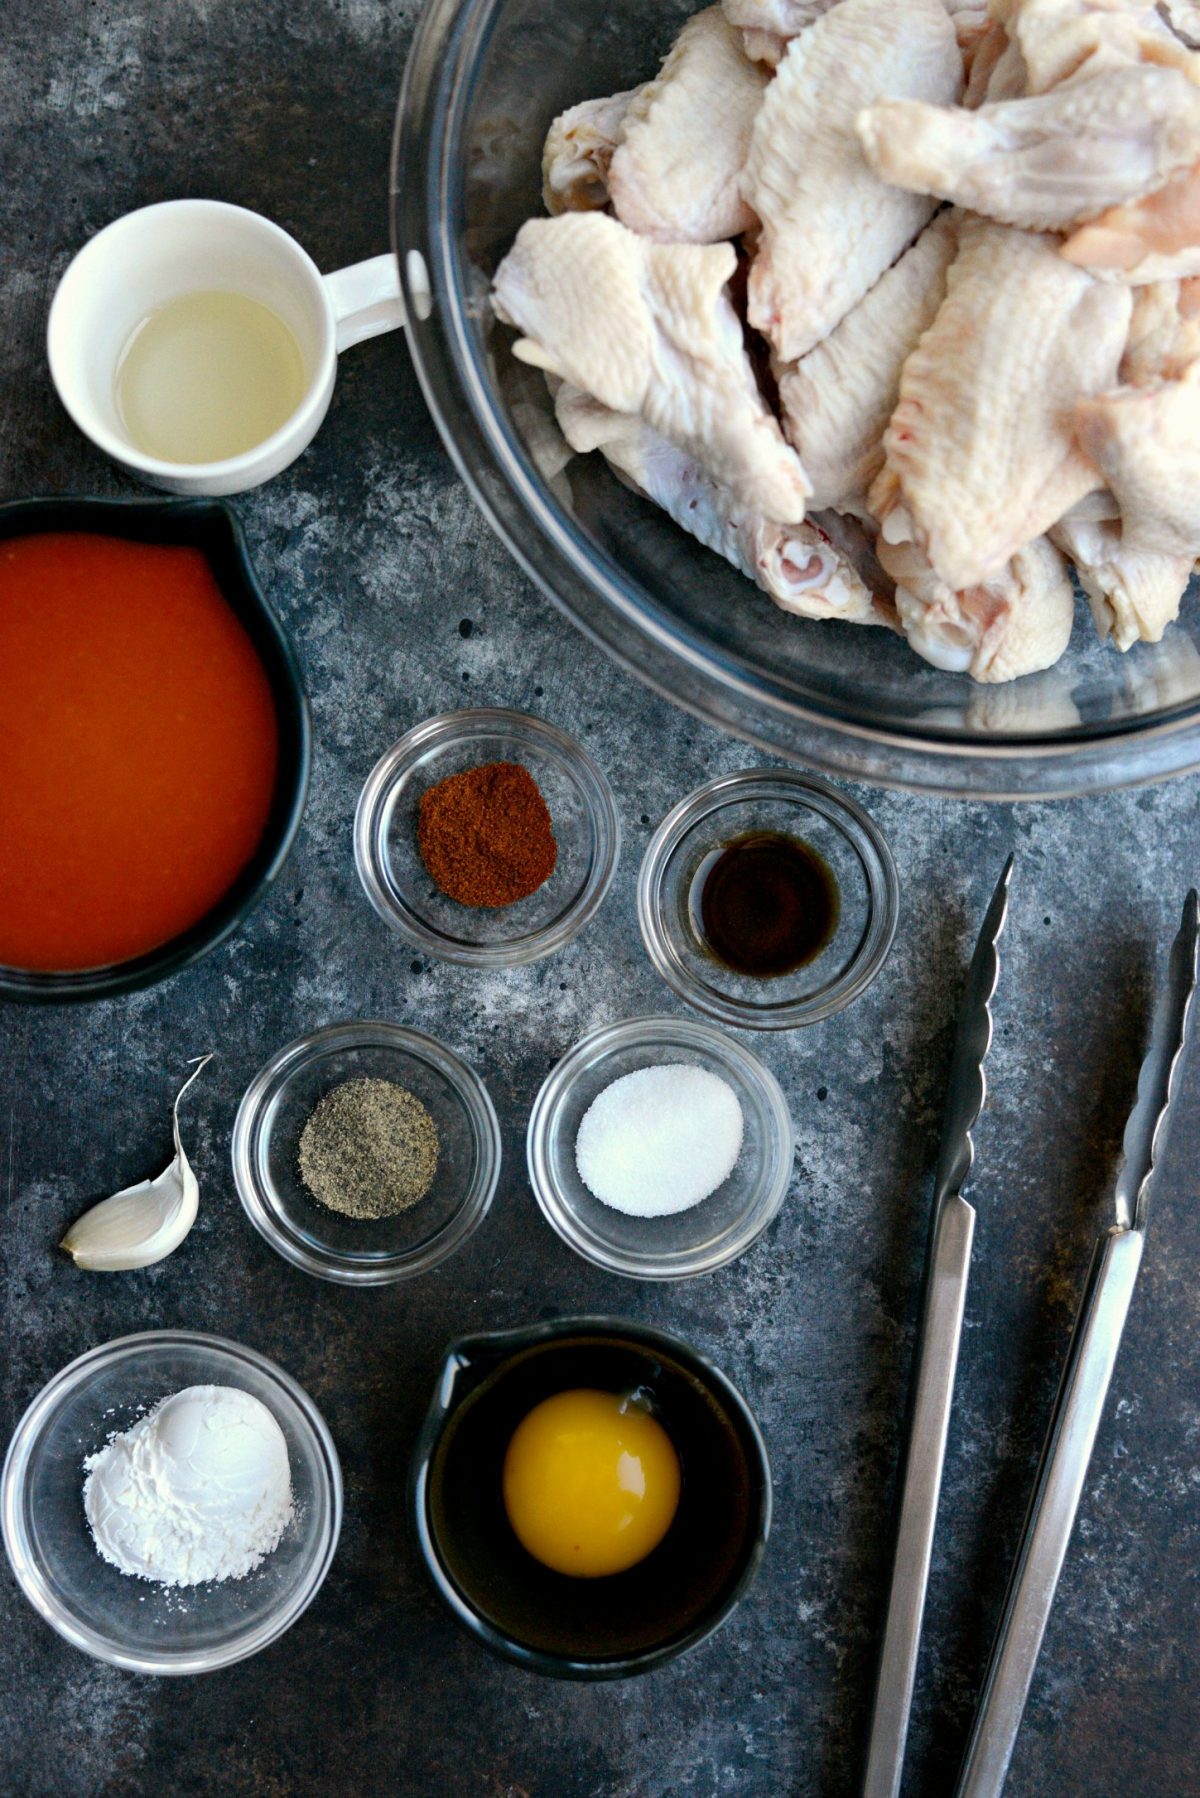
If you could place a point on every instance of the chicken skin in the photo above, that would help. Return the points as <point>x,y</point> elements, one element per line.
<point>579,151</point>
<point>673,177</point>
<point>980,453</point>
<point>798,565</point>
<point>830,226</point>
<point>1183,18</point>
<point>995,70</point>
<point>1134,594</point>
<point>1016,622</point>
<point>1146,443</point>
<point>1067,40</point>
<point>1046,163</point>
<point>1164,333</point>
<point>838,399</point>
<point>649,329</point>
<point>767,27</point>
<point>1153,239</point>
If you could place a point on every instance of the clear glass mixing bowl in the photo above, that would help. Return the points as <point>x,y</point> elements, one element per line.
<point>484,80</point>
<point>136,1623</point>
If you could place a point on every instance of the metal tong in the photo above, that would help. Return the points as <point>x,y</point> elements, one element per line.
<point>947,1268</point>
<point>1082,1393</point>
<point>1084,1388</point>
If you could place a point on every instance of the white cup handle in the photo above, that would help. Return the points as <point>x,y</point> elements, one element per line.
<point>366,300</point>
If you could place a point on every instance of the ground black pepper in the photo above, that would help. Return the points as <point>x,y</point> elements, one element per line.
<point>369,1150</point>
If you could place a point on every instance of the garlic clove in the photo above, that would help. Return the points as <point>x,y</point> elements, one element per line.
<point>141,1224</point>
<point>138,1226</point>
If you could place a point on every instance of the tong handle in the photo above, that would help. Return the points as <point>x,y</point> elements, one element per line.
<point>1056,1494</point>
<point>933,1393</point>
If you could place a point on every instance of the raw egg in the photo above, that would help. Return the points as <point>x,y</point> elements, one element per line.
<point>591,1483</point>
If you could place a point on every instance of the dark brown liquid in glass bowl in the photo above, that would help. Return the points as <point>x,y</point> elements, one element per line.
<point>764,903</point>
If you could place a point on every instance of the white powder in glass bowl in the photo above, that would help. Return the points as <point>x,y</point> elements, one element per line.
<point>659,1140</point>
<point>198,1489</point>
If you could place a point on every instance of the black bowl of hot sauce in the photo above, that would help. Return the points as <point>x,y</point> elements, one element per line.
<point>211,528</point>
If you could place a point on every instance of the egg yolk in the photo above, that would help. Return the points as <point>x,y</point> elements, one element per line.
<point>591,1483</point>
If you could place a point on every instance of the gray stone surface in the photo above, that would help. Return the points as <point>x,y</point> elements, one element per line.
<point>373,553</point>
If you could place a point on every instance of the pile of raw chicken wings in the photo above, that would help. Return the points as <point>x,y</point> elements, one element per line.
<point>896,305</point>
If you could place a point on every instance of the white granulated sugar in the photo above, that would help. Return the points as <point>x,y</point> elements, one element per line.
<point>198,1489</point>
<point>659,1140</point>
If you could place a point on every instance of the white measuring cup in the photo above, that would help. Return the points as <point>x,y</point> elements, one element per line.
<point>150,257</point>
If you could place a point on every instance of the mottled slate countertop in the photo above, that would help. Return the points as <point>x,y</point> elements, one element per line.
<point>402,604</point>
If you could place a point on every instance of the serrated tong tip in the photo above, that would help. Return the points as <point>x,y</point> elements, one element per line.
<point>968,1086</point>
<point>1146,1132</point>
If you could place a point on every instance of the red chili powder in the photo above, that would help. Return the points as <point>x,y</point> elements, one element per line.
<point>486,835</point>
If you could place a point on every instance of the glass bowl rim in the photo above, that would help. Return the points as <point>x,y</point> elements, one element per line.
<point>24,1565</point>
<point>470,1210</point>
<point>686,1033</point>
<point>427,171</point>
<point>475,723</point>
<point>788,785</point>
<point>501,1346</point>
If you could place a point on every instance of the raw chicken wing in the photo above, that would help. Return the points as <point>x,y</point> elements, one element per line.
<point>797,565</point>
<point>649,329</point>
<point>1164,333</point>
<point>809,571</point>
<point>829,225</point>
<point>980,456</point>
<point>675,173</point>
<point>767,27</point>
<point>995,71</point>
<point>837,400</point>
<point>973,26</point>
<point>785,18</point>
<point>1155,239</point>
<point>1047,163</point>
<point>764,47</point>
<point>1134,594</point>
<point>1146,443</point>
<point>1097,507</point>
<point>1063,40</point>
<point>1016,622</point>
<point>579,149</point>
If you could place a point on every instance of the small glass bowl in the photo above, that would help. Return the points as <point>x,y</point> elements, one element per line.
<point>851,844</point>
<point>713,1232</point>
<point>131,1622</point>
<point>356,1251</point>
<point>586,829</point>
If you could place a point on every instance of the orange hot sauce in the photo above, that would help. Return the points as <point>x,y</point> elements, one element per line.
<point>139,743</point>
